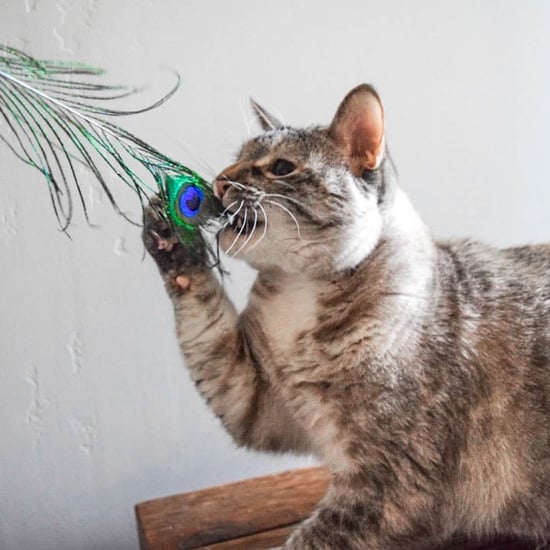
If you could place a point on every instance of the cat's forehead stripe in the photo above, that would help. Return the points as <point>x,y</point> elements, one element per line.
<point>303,140</point>
<point>260,146</point>
<point>271,139</point>
<point>274,137</point>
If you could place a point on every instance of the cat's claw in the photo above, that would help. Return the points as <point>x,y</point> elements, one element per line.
<point>163,243</point>
<point>157,235</point>
<point>172,256</point>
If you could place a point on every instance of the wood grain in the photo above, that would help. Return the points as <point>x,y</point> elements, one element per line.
<point>254,514</point>
<point>218,514</point>
<point>260,541</point>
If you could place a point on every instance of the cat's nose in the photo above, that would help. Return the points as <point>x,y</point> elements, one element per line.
<point>221,185</point>
<point>223,181</point>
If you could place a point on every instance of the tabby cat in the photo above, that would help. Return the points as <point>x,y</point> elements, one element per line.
<point>417,371</point>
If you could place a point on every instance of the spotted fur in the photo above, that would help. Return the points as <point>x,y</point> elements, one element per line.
<point>418,372</point>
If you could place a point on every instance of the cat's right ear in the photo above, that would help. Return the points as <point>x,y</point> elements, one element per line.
<point>267,120</point>
<point>358,129</point>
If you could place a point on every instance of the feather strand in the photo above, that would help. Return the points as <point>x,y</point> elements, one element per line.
<point>54,119</point>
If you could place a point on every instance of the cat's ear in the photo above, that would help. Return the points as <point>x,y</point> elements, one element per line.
<point>267,120</point>
<point>358,129</point>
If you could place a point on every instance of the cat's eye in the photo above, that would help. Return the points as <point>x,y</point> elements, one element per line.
<point>282,167</point>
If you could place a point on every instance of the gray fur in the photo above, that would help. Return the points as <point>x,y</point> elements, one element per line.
<point>419,372</point>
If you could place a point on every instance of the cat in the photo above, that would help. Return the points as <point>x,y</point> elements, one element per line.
<point>417,371</point>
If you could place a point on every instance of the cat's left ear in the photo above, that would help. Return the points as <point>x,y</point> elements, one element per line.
<point>358,129</point>
<point>267,120</point>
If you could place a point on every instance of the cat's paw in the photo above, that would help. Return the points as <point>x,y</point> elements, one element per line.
<point>159,239</point>
<point>174,260</point>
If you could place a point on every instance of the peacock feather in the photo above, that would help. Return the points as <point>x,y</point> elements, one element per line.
<point>54,118</point>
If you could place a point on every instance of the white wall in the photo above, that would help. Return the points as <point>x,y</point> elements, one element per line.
<point>97,412</point>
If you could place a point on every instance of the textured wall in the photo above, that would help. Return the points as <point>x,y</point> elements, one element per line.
<point>97,412</point>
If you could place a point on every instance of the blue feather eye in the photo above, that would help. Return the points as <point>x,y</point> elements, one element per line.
<point>190,201</point>
<point>185,196</point>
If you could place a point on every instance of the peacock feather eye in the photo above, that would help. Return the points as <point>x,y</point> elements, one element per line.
<point>185,197</point>
<point>190,200</point>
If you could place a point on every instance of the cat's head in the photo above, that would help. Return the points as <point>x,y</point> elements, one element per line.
<point>308,200</point>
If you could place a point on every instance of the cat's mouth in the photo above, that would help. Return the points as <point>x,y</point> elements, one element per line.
<point>244,223</point>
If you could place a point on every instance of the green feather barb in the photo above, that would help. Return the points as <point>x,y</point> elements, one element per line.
<point>54,118</point>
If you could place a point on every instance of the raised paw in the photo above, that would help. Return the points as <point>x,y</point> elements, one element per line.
<point>173,257</point>
<point>157,235</point>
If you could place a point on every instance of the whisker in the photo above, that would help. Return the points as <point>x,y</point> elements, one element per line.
<point>227,209</point>
<point>228,221</point>
<point>265,227</point>
<point>284,184</point>
<point>235,184</point>
<point>310,245</point>
<point>322,242</point>
<point>289,199</point>
<point>205,166</point>
<point>240,232</point>
<point>245,120</point>
<point>251,233</point>
<point>281,118</point>
<point>292,216</point>
<point>232,244</point>
<point>233,214</point>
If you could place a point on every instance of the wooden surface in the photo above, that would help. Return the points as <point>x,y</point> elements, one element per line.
<point>270,505</point>
<point>253,514</point>
<point>260,541</point>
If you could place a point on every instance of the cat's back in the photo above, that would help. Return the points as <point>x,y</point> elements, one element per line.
<point>480,273</point>
<point>494,315</point>
<point>533,259</point>
<point>494,306</point>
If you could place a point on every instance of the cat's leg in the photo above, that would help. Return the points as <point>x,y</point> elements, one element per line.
<point>218,349</point>
<point>356,517</point>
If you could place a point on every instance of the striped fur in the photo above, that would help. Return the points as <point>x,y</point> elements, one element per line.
<point>418,372</point>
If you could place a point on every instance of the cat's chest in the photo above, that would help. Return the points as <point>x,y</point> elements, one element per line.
<point>286,315</point>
